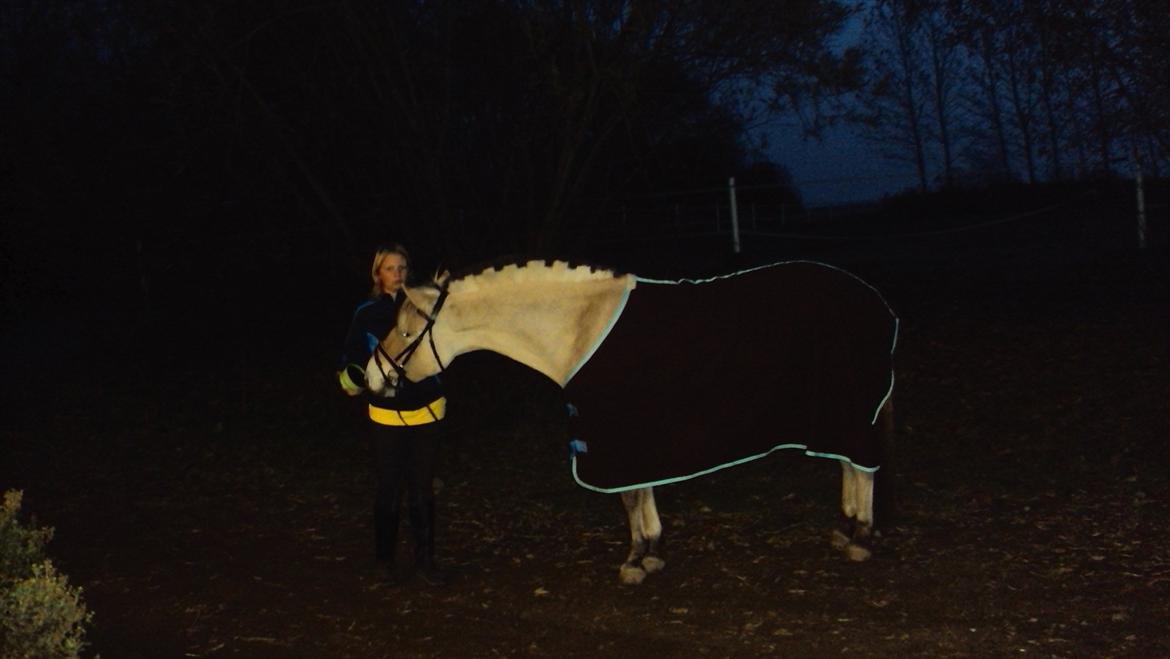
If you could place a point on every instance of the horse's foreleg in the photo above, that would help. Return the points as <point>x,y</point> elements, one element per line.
<point>645,532</point>
<point>652,531</point>
<point>631,571</point>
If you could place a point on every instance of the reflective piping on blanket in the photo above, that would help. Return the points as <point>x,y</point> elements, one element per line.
<point>881,297</point>
<point>432,412</point>
<point>897,329</point>
<point>886,398</point>
<point>617,313</point>
<point>890,391</point>
<point>679,479</point>
<point>685,280</point>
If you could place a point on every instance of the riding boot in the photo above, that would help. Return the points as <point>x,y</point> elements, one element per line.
<point>422,522</point>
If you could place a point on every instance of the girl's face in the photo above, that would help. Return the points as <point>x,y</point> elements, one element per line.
<point>392,273</point>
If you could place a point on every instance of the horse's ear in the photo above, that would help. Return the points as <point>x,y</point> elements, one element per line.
<point>441,277</point>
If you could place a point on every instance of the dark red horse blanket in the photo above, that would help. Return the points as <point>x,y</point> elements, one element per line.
<point>698,376</point>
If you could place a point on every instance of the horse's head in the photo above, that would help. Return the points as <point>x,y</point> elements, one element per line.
<point>409,350</point>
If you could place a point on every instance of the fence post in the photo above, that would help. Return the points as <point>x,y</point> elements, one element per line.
<point>734,216</point>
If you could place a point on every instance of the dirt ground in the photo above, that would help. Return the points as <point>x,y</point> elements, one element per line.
<point>221,507</point>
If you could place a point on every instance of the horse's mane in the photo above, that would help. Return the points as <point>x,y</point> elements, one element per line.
<point>536,266</point>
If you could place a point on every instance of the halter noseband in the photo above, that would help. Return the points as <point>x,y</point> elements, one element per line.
<point>398,363</point>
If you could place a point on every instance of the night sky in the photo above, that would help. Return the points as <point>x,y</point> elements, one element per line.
<point>840,168</point>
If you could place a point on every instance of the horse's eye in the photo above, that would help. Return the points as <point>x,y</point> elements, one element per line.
<point>405,335</point>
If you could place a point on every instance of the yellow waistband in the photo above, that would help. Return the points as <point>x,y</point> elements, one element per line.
<point>433,412</point>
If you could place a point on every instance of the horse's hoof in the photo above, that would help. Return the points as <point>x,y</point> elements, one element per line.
<point>652,564</point>
<point>839,539</point>
<point>631,575</point>
<point>857,553</point>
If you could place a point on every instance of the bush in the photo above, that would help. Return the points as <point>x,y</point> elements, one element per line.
<point>40,614</point>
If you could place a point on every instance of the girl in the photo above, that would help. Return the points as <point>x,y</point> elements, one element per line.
<point>405,429</point>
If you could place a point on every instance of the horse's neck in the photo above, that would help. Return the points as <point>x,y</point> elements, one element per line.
<point>550,325</point>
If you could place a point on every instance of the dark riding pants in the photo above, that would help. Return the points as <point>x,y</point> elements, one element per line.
<point>404,457</point>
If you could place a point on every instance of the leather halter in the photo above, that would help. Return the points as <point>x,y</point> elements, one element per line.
<point>398,362</point>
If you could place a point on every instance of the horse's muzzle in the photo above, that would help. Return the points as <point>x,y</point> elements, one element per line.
<point>379,382</point>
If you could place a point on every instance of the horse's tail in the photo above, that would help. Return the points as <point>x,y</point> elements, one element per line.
<point>884,494</point>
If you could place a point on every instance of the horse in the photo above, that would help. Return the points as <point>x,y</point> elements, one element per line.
<point>792,355</point>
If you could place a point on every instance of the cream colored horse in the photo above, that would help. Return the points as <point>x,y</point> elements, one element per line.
<point>551,317</point>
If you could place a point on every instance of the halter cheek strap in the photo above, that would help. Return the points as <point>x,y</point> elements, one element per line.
<point>434,350</point>
<point>398,363</point>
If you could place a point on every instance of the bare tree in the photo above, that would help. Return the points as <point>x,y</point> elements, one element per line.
<point>484,125</point>
<point>1094,55</point>
<point>1017,59</point>
<point>1044,20</point>
<point>896,96</point>
<point>945,68</point>
<point>982,30</point>
<point>1137,54</point>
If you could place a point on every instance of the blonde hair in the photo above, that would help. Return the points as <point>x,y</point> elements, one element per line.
<point>380,255</point>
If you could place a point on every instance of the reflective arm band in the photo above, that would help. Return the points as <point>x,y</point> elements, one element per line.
<point>347,383</point>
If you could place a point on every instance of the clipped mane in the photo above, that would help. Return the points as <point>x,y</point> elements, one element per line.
<point>549,315</point>
<point>534,269</point>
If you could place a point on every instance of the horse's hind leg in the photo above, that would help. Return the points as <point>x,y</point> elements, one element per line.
<point>857,510</point>
<point>645,531</point>
<point>843,534</point>
<point>857,494</point>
